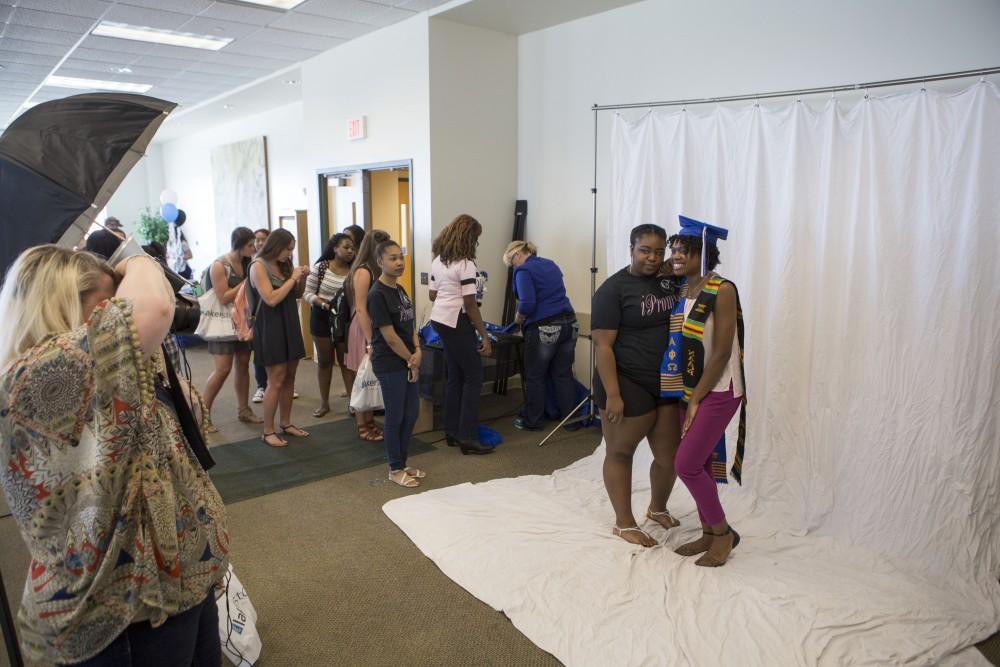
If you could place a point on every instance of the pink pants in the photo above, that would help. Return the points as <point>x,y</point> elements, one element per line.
<point>694,455</point>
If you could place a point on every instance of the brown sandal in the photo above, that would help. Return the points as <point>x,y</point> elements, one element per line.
<point>372,426</point>
<point>369,435</point>
<point>281,441</point>
<point>294,431</point>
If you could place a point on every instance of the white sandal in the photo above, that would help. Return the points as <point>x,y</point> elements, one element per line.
<point>651,516</point>
<point>404,480</point>
<point>617,532</point>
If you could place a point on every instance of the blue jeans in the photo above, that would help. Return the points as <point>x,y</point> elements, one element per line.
<point>188,638</point>
<point>402,407</point>
<point>549,351</point>
<point>465,379</point>
<point>259,374</point>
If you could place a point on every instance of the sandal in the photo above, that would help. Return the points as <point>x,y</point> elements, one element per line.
<point>247,416</point>
<point>368,435</point>
<point>696,547</point>
<point>280,441</point>
<point>415,473</point>
<point>708,560</point>
<point>294,431</point>
<point>209,426</point>
<point>372,426</point>
<point>404,480</point>
<point>664,518</point>
<point>617,532</point>
<point>321,411</point>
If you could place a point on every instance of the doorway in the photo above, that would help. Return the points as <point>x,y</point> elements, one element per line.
<point>376,196</point>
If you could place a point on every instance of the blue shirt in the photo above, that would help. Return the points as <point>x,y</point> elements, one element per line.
<point>538,285</point>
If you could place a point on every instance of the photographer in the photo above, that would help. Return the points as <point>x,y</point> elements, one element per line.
<point>126,531</point>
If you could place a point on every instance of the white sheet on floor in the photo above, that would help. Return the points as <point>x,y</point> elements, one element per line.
<point>540,549</point>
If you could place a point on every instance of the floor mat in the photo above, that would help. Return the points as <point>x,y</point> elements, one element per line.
<point>249,468</point>
<point>540,549</point>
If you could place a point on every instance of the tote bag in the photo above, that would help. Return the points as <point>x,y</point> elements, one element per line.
<point>216,323</point>
<point>367,393</point>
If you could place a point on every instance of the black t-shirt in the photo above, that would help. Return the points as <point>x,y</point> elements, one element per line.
<point>639,309</point>
<point>388,305</point>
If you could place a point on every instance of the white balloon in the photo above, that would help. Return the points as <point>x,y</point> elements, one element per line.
<point>168,196</point>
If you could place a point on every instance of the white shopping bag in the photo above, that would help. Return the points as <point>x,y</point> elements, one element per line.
<point>216,323</point>
<point>237,622</point>
<point>367,393</point>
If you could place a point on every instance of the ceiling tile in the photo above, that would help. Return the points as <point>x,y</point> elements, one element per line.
<point>160,63</point>
<point>18,77</point>
<point>419,5</point>
<point>87,8</point>
<point>287,53</point>
<point>22,68</point>
<point>109,76</point>
<point>5,12</point>
<point>17,87</point>
<point>11,56</point>
<point>28,33</point>
<point>51,21</point>
<point>25,46</point>
<point>297,40</point>
<point>318,25</point>
<point>152,18</point>
<point>242,13</point>
<point>347,10</point>
<point>256,61</point>
<point>219,28</point>
<point>391,15</point>
<point>114,45</point>
<point>224,69</point>
<point>104,55</point>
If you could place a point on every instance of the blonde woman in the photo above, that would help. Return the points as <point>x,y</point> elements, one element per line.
<point>126,531</point>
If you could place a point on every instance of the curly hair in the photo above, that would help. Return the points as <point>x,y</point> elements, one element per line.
<point>691,245</point>
<point>458,240</point>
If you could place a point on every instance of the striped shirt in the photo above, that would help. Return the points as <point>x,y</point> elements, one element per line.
<point>332,283</point>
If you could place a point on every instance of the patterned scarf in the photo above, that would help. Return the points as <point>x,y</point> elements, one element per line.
<point>671,380</point>
<point>693,353</point>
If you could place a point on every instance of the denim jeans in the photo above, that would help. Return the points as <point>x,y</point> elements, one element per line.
<point>549,351</point>
<point>259,374</point>
<point>188,638</point>
<point>402,407</point>
<point>465,379</point>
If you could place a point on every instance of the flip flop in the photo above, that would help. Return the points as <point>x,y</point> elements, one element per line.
<point>320,412</point>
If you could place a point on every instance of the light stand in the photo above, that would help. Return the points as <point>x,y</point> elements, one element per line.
<point>589,399</point>
<point>9,630</point>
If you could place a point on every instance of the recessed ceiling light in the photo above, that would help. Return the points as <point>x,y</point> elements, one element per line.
<point>277,4</point>
<point>291,82</point>
<point>158,36</point>
<point>122,70</point>
<point>228,106</point>
<point>96,84</point>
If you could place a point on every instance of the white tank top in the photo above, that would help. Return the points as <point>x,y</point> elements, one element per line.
<point>732,372</point>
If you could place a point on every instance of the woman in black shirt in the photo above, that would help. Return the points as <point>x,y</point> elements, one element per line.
<point>630,325</point>
<point>395,357</point>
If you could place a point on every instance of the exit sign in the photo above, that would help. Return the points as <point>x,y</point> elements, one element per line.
<point>357,128</point>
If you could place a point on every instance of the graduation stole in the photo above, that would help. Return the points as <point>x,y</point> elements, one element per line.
<point>693,364</point>
<point>671,380</point>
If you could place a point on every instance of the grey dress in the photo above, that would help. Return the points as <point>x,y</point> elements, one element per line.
<point>277,334</point>
<point>232,280</point>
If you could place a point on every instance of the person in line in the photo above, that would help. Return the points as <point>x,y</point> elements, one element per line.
<point>90,446</point>
<point>225,275</point>
<point>395,360</point>
<point>114,225</point>
<point>259,374</point>
<point>550,330</point>
<point>456,318</point>
<point>275,286</point>
<point>322,285</point>
<point>714,389</point>
<point>356,233</point>
<point>364,273</point>
<point>630,319</point>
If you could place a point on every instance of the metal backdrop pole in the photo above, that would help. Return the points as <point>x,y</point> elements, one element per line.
<point>808,91</point>
<point>9,631</point>
<point>593,288</point>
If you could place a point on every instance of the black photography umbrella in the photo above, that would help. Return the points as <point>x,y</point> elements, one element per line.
<point>61,161</point>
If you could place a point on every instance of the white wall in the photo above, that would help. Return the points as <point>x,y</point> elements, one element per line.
<point>187,169</point>
<point>384,76</point>
<point>662,50</point>
<point>473,102</point>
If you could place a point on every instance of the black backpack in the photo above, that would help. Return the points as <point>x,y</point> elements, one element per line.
<point>340,316</point>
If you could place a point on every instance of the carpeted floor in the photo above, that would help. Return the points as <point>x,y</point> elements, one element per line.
<point>336,583</point>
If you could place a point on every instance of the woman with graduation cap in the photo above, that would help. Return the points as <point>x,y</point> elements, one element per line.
<point>710,349</point>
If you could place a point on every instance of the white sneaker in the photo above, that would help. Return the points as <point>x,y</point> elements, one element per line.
<point>258,397</point>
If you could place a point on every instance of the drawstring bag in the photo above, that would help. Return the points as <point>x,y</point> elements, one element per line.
<point>237,622</point>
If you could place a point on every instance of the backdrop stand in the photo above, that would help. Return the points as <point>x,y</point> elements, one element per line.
<point>591,416</point>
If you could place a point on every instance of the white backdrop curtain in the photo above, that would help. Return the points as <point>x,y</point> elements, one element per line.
<point>864,242</point>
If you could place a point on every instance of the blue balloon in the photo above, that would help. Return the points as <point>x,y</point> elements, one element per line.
<point>169,212</point>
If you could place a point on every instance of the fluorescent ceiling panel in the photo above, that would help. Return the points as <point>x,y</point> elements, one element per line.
<point>157,36</point>
<point>277,4</point>
<point>96,84</point>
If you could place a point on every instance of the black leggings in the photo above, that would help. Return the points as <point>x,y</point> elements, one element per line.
<point>465,379</point>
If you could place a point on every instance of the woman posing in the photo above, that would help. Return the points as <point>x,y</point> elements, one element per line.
<point>631,321</point>
<point>396,360</point>
<point>712,347</point>
<point>277,336</point>
<point>225,275</point>
<point>550,332</point>
<point>362,277</point>
<point>125,530</point>
<point>322,286</point>
<point>456,318</point>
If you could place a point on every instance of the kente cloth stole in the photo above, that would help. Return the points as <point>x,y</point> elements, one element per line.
<point>671,380</point>
<point>693,356</point>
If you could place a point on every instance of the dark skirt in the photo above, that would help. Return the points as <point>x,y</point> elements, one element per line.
<point>277,335</point>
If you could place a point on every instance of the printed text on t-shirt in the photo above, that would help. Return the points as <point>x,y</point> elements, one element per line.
<point>650,304</point>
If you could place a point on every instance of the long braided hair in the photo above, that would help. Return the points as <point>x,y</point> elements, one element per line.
<point>458,240</point>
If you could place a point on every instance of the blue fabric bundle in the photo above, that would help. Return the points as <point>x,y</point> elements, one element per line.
<point>488,436</point>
